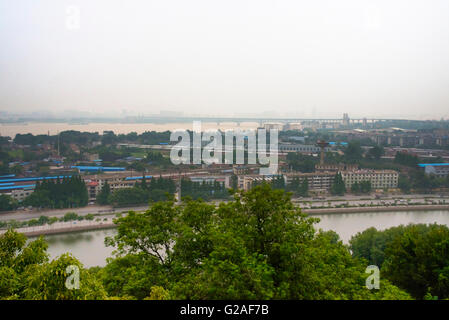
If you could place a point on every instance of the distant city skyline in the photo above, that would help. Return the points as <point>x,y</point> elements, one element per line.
<point>80,58</point>
<point>75,114</point>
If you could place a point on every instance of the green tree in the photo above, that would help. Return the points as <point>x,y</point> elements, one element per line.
<point>404,183</point>
<point>256,246</point>
<point>365,186</point>
<point>418,261</point>
<point>7,203</point>
<point>370,244</point>
<point>375,153</point>
<point>338,186</point>
<point>104,195</point>
<point>353,152</point>
<point>303,189</point>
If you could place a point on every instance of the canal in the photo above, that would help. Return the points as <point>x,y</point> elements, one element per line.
<point>89,246</point>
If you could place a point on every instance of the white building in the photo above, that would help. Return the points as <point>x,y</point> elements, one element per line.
<point>437,169</point>
<point>380,179</point>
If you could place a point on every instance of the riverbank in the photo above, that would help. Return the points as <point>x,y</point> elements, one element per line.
<point>65,227</point>
<point>90,249</point>
<point>376,209</point>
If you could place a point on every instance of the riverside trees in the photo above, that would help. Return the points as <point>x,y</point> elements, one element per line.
<point>414,257</point>
<point>26,273</point>
<point>258,246</point>
<point>68,192</point>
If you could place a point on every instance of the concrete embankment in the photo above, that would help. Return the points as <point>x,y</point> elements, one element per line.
<point>375,209</point>
<point>67,230</point>
<point>64,227</point>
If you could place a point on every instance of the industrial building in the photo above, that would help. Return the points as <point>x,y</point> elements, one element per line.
<point>437,169</point>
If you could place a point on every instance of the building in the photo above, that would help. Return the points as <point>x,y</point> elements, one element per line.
<point>20,188</point>
<point>246,182</point>
<point>437,169</point>
<point>223,180</point>
<point>92,190</point>
<point>294,126</point>
<point>317,181</point>
<point>21,193</point>
<point>336,167</point>
<point>380,179</point>
<point>273,126</point>
<point>301,148</point>
<point>115,182</point>
<point>245,169</point>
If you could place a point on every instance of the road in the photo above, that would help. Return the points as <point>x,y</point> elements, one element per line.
<point>303,203</point>
<point>27,215</point>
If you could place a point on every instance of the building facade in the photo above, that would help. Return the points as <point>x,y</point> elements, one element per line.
<point>380,179</point>
<point>317,181</point>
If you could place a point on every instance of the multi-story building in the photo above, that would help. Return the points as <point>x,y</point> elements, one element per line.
<point>301,148</point>
<point>335,167</point>
<point>317,181</point>
<point>273,126</point>
<point>21,194</point>
<point>245,169</point>
<point>95,183</point>
<point>246,182</point>
<point>380,179</point>
<point>223,180</point>
<point>437,169</point>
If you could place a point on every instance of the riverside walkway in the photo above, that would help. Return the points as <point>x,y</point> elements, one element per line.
<point>65,227</point>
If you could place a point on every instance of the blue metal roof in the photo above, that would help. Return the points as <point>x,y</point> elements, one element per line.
<point>7,184</point>
<point>8,176</point>
<point>33,179</point>
<point>27,186</point>
<point>137,178</point>
<point>432,164</point>
<point>91,168</point>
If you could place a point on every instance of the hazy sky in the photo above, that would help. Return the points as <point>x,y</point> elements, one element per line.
<point>308,58</point>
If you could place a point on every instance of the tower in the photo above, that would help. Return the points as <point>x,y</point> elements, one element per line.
<point>322,144</point>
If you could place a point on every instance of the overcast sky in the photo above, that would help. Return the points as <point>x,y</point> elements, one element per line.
<point>304,58</point>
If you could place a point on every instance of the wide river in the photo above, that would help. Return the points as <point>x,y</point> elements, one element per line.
<point>119,128</point>
<point>89,246</point>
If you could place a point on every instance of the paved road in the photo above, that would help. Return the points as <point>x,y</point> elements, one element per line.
<point>95,209</point>
<point>27,215</point>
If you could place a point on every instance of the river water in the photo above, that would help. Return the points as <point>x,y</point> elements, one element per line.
<point>119,128</point>
<point>89,246</point>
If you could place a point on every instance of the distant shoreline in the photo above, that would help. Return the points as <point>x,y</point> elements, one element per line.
<point>310,212</point>
<point>376,209</point>
<point>67,230</point>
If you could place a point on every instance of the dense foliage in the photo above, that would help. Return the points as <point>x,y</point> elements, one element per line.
<point>7,203</point>
<point>258,246</point>
<point>156,190</point>
<point>26,273</point>
<point>203,190</point>
<point>69,192</point>
<point>338,186</point>
<point>299,187</point>
<point>413,257</point>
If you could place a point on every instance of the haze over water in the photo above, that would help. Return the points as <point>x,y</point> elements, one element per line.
<point>36,128</point>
